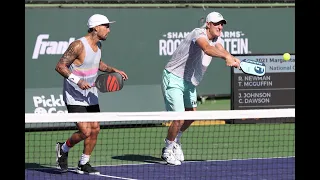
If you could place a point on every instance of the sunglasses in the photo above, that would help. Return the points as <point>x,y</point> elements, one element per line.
<point>106,25</point>
<point>218,23</point>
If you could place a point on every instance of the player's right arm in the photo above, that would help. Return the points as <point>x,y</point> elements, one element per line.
<point>69,56</point>
<point>216,51</point>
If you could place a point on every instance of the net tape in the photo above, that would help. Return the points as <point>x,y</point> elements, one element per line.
<point>165,116</point>
<point>159,1</point>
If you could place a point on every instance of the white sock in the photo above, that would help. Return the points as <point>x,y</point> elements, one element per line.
<point>177,139</point>
<point>84,159</point>
<point>65,148</point>
<point>169,144</point>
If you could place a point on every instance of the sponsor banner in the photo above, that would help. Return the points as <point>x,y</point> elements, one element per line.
<point>235,42</point>
<point>43,101</point>
<point>44,46</point>
<point>148,45</point>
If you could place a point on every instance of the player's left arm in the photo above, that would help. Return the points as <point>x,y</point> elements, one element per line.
<point>106,68</point>
<point>221,48</point>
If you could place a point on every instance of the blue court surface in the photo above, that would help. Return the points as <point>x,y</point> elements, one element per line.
<point>245,169</point>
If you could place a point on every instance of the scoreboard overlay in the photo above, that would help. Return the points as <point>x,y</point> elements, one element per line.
<point>276,89</point>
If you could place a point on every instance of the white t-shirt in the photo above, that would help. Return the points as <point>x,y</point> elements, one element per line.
<point>189,61</point>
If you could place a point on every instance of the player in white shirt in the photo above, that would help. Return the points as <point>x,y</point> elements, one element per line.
<point>184,72</point>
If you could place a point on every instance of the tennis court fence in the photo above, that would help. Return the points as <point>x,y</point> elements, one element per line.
<point>212,148</point>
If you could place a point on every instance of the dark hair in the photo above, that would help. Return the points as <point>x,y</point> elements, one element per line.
<point>90,30</point>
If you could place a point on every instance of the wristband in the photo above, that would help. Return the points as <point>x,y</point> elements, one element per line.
<point>75,79</point>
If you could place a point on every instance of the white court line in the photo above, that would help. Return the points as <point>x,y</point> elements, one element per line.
<point>103,175</point>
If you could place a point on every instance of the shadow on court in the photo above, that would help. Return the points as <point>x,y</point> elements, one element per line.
<point>144,158</point>
<point>34,165</point>
<point>137,158</point>
<point>41,168</point>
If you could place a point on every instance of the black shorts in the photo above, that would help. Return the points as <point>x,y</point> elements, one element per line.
<point>83,109</point>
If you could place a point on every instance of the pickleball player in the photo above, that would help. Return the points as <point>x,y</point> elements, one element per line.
<point>183,73</point>
<point>79,66</point>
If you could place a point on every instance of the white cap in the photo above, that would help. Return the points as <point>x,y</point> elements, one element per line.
<point>98,19</point>
<point>215,17</point>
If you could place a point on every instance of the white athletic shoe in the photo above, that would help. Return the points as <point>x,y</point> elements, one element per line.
<point>169,157</point>
<point>178,152</point>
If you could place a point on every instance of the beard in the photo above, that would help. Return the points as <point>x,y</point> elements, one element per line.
<point>103,38</point>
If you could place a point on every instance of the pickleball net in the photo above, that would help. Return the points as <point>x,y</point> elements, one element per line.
<point>223,144</point>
